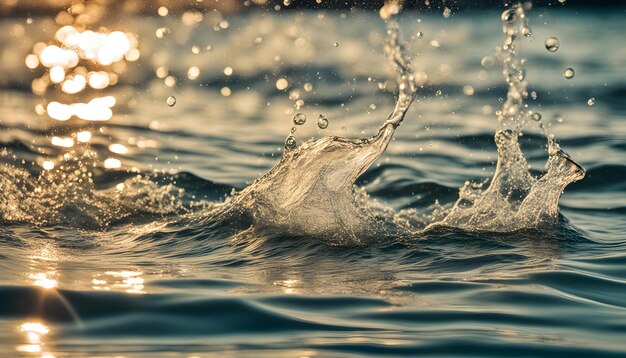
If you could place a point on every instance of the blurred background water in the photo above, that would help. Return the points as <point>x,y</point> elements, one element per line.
<point>105,248</point>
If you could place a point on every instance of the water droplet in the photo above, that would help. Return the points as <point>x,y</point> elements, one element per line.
<point>322,122</point>
<point>447,12</point>
<point>419,34</point>
<point>171,101</point>
<point>508,15</point>
<point>293,130</point>
<point>162,32</point>
<point>468,90</point>
<point>591,101</point>
<point>552,44</point>
<point>336,44</point>
<point>535,117</point>
<point>282,84</point>
<point>299,119</point>
<point>526,31</point>
<point>163,11</point>
<point>290,142</point>
<point>559,118</point>
<point>568,73</point>
<point>487,62</point>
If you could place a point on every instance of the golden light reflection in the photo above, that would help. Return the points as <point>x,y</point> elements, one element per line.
<point>75,84</point>
<point>281,84</point>
<point>78,59</point>
<point>118,148</point>
<point>193,73</point>
<point>128,281</point>
<point>47,165</point>
<point>57,74</point>
<point>162,72</point>
<point>101,47</point>
<point>31,61</point>
<point>34,332</point>
<point>83,136</point>
<point>163,11</point>
<point>225,91</point>
<point>98,109</point>
<point>112,163</point>
<point>62,142</point>
<point>43,280</point>
<point>288,286</point>
<point>98,80</point>
<point>170,81</point>
<point>55,56</point>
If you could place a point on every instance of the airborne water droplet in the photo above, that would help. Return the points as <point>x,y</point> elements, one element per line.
<point>559,118</point>
<point>419,34</point>
<point>591,101</point>
<point>568,73</point>
<point>322,122</point>
<point>508,15</point>
<point>171,101</point>
<point>552,44</point>
<point>536,117</point>
<point>526,31</point>
<point>299,119</point>
<point>487,62</point>
<point>290,142</point>
<point>336,44</point>
<point>447,12</point>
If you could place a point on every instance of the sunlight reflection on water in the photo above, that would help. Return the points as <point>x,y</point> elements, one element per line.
<point>34,332</point>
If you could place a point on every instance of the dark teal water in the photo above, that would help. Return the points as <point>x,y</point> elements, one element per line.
<point>143,271</point>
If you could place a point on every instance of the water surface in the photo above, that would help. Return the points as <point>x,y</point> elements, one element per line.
<point>139,270</point>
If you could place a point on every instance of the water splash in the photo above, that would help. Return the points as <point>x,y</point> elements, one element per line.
<point>515,199</point>
<point>311,191</point>
<point>66,194</point>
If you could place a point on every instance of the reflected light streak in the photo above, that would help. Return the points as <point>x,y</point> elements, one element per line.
<point>74,85</point>
<point>108,51</point>
<point>98,109</point>
<point>98,80</point>
<point>128,281</point>
<point>47,165</point>
<point>101,47</point>
<point>83,137</point>
<point>57,74</point>
<point>112,163</point>
<point>34,332</point>
<point>288,286</point>
<point>62,142</point>
<point>42,280</point>
<point>118,148</point>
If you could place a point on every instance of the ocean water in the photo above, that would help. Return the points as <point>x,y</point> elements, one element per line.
<point>131,262</point>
